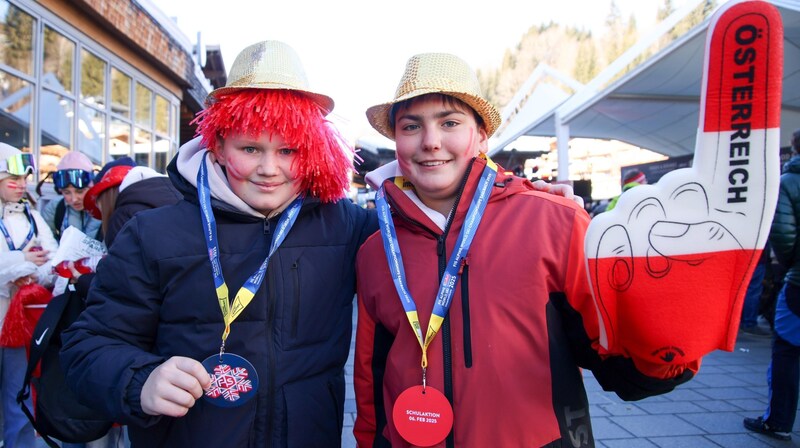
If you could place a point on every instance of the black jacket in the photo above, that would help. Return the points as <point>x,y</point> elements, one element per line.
<point>143,195</point>
<point>784,232</point>
<point>153,298</point>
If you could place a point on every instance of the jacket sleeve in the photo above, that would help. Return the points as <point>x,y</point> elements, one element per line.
<point>364,382</point>
<point>631,379</point>
<point>49,213</point>
<point>372,348</point>
<point>107,351</point>
<point>783,232</point>
<point>48,243</point>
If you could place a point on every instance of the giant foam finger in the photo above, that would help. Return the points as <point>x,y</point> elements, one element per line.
<point>697,234</point>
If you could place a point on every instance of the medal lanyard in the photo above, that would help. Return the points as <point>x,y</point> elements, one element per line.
<point>246,293</point>
<point>28,238</point>
<point>65,221</point>
<point>447,286</point>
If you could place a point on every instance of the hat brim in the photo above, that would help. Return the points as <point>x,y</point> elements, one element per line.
<point>378,115</point>
<point>323,101</point>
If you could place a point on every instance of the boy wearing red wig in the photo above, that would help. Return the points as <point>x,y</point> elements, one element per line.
<point>225,319</point>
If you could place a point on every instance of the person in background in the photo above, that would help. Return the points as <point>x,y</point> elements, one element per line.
<point>101,199</point>
<point>752,298</point>
<point>630,179</point>
<point>142,189</point>
<point>24,258</point>
<point>71,180</point>
<point>512,320</point>
<point>783,375</point>
<point>263,198</point>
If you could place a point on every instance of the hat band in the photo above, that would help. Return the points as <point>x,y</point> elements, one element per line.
<point>18,164</point>
<point>76,177</point>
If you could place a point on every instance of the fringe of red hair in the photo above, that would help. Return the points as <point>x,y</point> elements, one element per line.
<point>324,160</point>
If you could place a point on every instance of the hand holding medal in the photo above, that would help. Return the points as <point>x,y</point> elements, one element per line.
<point>174,386</point>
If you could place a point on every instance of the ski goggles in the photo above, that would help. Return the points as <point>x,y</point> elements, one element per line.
<point>18,164</point>
<point>75,177</point>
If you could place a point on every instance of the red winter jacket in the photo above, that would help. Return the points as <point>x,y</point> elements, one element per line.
<point>521,322</point>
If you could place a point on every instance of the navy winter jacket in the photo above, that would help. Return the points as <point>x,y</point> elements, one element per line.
<point>154,297</point>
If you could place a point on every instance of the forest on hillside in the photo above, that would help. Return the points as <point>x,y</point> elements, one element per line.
<point>576,52</point>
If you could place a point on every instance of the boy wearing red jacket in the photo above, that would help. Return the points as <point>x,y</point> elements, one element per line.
<point>509,313</point>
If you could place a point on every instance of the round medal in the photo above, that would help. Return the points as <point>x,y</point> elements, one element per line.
<point>234,381</point>
<point>423,417</point>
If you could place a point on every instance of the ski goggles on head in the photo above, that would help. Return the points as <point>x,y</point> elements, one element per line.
<point>18,164</point>
<point>75,177</point>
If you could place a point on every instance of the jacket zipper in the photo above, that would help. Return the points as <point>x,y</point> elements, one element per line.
<point>447,355</point>
<point>296,304</point>
<point>271,295</point>
<point>465,314</point>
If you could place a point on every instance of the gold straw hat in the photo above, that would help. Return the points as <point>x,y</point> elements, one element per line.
<point>271,65</point>
<point>436,73</point>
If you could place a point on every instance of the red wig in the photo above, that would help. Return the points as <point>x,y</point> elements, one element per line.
<point>323,160</point>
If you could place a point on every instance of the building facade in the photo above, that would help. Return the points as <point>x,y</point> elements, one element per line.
<point>109,78</point>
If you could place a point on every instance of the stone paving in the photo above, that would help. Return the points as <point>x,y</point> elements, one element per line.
<point>705,412</point>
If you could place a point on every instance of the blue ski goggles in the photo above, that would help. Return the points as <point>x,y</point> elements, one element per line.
<point>75,177</point>
<point>18,164</point>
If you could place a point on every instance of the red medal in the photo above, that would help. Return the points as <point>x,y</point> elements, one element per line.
<point>422,416</point>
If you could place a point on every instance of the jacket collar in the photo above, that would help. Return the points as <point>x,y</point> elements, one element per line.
<point>406,203</point>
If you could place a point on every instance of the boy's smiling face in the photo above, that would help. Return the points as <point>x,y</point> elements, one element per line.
<point>259,170</point>
<point>436,140</point>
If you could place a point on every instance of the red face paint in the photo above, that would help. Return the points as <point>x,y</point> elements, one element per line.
<point>233,170</point>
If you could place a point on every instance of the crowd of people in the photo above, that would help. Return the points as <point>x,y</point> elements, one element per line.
<point>256,203</point>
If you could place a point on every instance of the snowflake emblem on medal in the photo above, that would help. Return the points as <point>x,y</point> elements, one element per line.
<point>234,380</point>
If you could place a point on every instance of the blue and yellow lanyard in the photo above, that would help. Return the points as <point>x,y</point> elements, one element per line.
<point>246,293</point>
<point>65,220</point>
<point>449,280</point>
<point>28,238</point>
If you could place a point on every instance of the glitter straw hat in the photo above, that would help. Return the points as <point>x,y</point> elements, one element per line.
<point>436,73</point>
<point>270,65</point>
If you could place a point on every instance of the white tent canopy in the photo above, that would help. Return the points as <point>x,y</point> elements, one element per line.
<point>656,105</point>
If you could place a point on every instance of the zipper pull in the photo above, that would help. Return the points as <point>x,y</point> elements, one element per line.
<point>462,265</point>
<point>267,226</point>
<point>440,246</point>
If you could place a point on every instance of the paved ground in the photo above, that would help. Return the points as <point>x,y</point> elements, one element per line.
<point>705,412</point>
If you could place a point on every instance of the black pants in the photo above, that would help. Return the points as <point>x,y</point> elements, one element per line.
<point>784,374</point>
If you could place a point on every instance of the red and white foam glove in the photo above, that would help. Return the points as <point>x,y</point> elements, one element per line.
<point>670,264</point>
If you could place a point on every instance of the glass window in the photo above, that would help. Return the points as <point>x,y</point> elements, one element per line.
<point>58,60</point>
<point>15,110</point>
<point>56,115</point>
<point>161,151</point>
<point>143,144</point>
<point>162,115</point>
<point>93,79</point>
<point>174,131</point>
<point>91,133</point>
<point>16,35</point>
<point>55,118</point>
<point>119,139</point>
<point>144,97</point>
<point>120,93</point>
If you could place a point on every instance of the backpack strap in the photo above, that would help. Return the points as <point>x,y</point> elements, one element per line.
<point>61,210</point>
<point>42,334</point>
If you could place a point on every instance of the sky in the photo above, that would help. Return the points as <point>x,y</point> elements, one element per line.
<point>355,50</point>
